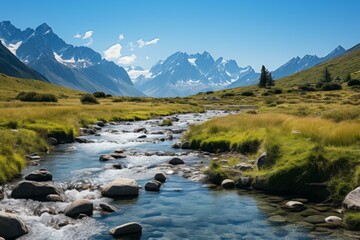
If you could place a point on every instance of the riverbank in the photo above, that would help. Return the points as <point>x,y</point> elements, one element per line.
<point>27,127</point>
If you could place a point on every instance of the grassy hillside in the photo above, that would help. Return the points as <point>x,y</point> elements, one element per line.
<point>11,86</point>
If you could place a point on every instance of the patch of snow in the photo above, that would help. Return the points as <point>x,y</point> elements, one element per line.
<point>12,47</point>
<point>192,61</point>
<point>134,74</point>
<point>63,61</point>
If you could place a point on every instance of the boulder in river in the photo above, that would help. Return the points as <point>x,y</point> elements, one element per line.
<point>41,175</point>
<point>153,186</point>
<point>142,136</point>
<point>228,184</point>
<point>80,206</point>
<point>176,145</point>
<point>126,229</point>
<point>118,155</point>
<point>34,190</point>
<point>294,206</point>
<point>81,140</point>
<point>243,182</point>
<point>100,123</point>
<point>142,129</point>
<point>176,161</point>
<point>352,200</point>
<point>121,188</point>
<point>54,198</point>
<point>107,208</point>
<point>185,145</point>
<point>161,177</point>
<point>11,226</point>
<point>106,157</point>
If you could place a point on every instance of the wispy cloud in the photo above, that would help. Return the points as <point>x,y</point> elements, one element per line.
<point>141,43</point>
<point>127,60</point>
<point>77,35</point>
<point>121,36</point>
<point>88,34</point>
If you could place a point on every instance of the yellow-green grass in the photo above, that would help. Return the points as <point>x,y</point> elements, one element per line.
<point>301,150</point>
<point>10,87</point>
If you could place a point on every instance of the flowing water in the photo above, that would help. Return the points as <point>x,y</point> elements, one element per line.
<point>183,209</point>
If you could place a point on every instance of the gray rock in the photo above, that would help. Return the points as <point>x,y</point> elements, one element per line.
<point>153,186</point>
<point>34,190</point>
<point>176,145</point>
<point>126,229</point>
<point>314,219</point>
<point>137,130</point>
<point>54,198</point>
<point>294,206</point>
<point>11,226</point>
<point>227,184</point>
<point>142,136</point>
<point>106,157</point>
<point>261,161</point>
<point>118,155</point>
<point>352,200</point>
<point>244,167</point>
<point>121,188</point>
<point>277,219</point>
<point>100,123</point>
<point>52,141</point>
<point>119,151</point>
<point>118,166</point>
<point>185,145</point>
<point>107,208</point>
<point>243,182</point>
<point>80,140</point>
<point>161,177</point>
<point>176,161</point>
<point>39,176</point>
<point>333,219</point>
<point>80,206</point>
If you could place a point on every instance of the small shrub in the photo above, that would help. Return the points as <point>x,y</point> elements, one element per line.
<point>353,221</point>
<point>36,97</point>
<point>331,86</point>
<point>306,87</point>
<point>249,146</point>
<point>12,125</point>
<point>228,95</point>
<point>354,82</point>
<point>209,92</point>
<point>89,99</point>
<point>247,93</point>
<point>109,95</point>
<point>99,94</point>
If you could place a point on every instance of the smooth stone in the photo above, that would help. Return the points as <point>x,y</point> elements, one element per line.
<point>106,157</point>
<point>294,206</point>
<point>118,166</point>
<point>333,219</point>
<point>261,161</point>
<point>118,155</point>
<point>119,188</point>
<point>80,206</point>
<point>140,130</point>
<point>106,207</point>
<point>54,198</point>
<point>185,145</point>
<point>314,219</point>
<point>176,161</point>
<point>34,190</point>
<point>161,177</point>
<point>176,145</point>
<point>142,136</point>
<point>244,167</point>
<point>228,184</point>
<point>11,226</point>
<point>352,200</point>
<point>119,151</point>
<point>277,219</point>
<point>306,225</point>
<point>153,186</point>
<point>39,176</point>
<point>126,229</point>
<point>322,208</point>
<point>80,140</point>
<point>100,123</point>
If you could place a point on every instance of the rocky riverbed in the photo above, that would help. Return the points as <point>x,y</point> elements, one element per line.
<point>134,178</point>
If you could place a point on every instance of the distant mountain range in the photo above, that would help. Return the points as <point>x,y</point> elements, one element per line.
<point>12,66</point>
<point>80,68</point>
<point>184,74</point>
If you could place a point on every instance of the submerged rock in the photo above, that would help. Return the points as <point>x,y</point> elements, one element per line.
<point>142,129</point>
<point>34,190</point>
<point>100,123</point>
<point>227,184</point>
<point>185,145</point>
<point>41,175</point>
<point>11,226</point>
<point>54,198</point>
<point>176,145</point>
<point>153,186</point>
<point>176,161</point>
<point>294,206</point>
<point>161,177</point>
<point>106,207</point>
<point>119,188</point>
<point>352,200</point>
<point>80,206</point>
<point>118,155</point>
<point>126,229</point>
<point>106,157</point>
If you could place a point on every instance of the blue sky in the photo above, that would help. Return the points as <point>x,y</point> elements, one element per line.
<point>253,32</point>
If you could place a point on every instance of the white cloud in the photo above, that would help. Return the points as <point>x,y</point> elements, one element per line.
<point>141,43</point>
<point>127,60</point>
<point>121,36</point>
<point>113,52</point>
<point>77,35</point>
<point>88,34</point>
<point>147,57</point>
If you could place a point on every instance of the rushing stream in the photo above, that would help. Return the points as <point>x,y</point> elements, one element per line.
<point>183,209</point>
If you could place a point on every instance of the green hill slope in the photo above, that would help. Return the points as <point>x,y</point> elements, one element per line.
<point>11,86</point>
